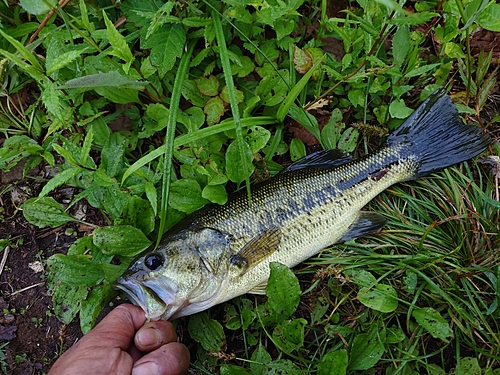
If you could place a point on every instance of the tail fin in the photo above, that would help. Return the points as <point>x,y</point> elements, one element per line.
<point>435,137</point>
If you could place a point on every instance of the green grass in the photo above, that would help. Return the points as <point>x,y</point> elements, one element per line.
<point>207,91</point>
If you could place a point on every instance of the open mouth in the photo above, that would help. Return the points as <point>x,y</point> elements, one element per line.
<point>155,297</point>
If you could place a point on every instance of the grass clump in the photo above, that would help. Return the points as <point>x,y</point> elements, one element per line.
<point>153,109</point>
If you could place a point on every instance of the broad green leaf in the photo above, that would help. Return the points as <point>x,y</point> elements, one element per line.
<point>357,98</point>
<point>434,323</point>
<point>35,73</point>
<point>117,41</point>
<point>186,195</point>
<point>469,366</point>
<point>53,100</point>
<point>333,363</point>
<point>489,18</point>
<point>348,140</point>
<point>224,95</point>
<point>44,212</point>
<point>109,79</point>
<point>208,86</point>
<point>122,240</point>
<point>16,148</point>
<point>119,95</point>
<point>233,370</point>
<point>302,61</point>
<point>214,109</point>
<point>166,44</point>
<point>401,44</point>
<point>38,6</point>
<point>398,109</point>
<point>257,137</point>
<point>362,278</point>
<point>76,270</point>
<point>215,193</point>
<point>284,367</point>
<point>64,59</point>
<point>66,300</point>
<point>92,306</point>
<point>283,291</point>
<point>112,154</point>
<point>206,331</point>
<point>297,149</point>
<point>59,179</point>
<point>381,297</point>
<point>259,360</point>
<point>289,335</point>
<point>87,144</point>
<point>366,350</point>
<point>138,213</point>
<point>235,166</point>
<point>273,89</point>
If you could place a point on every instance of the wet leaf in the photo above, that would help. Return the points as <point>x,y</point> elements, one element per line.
<point>45,212</point>
<point>206,331</point>
<point>333,363</point>
<point>283,291</point>
<point>235,166</point>
<point>122,240</point>
<point>289,335</point>
<point>366,350</point>
<point>434,323</point>
<point>186,195</point>
<point>76,270</point>
<point>257,137</point>
<point>208,86</point>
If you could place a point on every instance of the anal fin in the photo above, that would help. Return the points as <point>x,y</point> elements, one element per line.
<point>259,288</point>
<point>366,222</point>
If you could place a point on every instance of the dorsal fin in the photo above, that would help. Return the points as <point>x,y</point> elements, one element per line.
<point>323,159</point>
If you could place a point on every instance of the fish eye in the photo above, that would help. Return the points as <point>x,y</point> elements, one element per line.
<point>153,261</point>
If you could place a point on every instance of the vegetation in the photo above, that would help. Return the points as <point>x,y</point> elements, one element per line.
<point>153,109</point>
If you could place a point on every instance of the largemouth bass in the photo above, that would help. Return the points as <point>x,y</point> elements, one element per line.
<point>221,252</point>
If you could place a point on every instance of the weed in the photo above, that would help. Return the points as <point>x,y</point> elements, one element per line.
<point>206,91</point>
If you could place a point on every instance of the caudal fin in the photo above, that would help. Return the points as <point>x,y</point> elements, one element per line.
<point>434,136</point>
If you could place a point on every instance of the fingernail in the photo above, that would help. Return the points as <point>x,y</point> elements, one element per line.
<point>148,336</point>
<point>148,368</point>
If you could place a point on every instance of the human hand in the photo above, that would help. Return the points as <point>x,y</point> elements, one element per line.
<point>116,346</point>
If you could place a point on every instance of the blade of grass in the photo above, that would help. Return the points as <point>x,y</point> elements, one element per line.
<point>296,90</point>
<point>170,137</point>
<point>185,139</point>
<point>226,67</point>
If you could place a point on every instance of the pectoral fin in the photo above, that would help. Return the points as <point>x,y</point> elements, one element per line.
<point>257,249</point>
<point>366,223</point>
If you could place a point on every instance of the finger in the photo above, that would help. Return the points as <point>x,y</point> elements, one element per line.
<point>117,329</point>
<point>171,359</point>
<point>154,334</point>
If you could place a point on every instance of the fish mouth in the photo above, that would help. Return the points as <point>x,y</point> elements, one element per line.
<point>155,297</point>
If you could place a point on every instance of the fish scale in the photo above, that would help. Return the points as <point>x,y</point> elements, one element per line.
<point>221,252</point>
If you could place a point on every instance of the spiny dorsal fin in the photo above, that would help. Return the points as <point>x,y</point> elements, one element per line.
<point>323,159</point>
<point>366,223</point>
<point>257,249</point>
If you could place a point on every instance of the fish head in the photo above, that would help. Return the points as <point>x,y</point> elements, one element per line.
<point>181,277</point>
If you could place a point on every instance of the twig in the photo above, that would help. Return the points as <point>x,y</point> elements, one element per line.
<point>49,15</point>
<point>4,258</point>
<point>25,289</point>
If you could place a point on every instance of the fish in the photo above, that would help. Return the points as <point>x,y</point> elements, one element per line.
<point>224,251</point>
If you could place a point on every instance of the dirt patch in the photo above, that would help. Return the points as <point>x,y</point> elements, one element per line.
<point>36,337</point>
